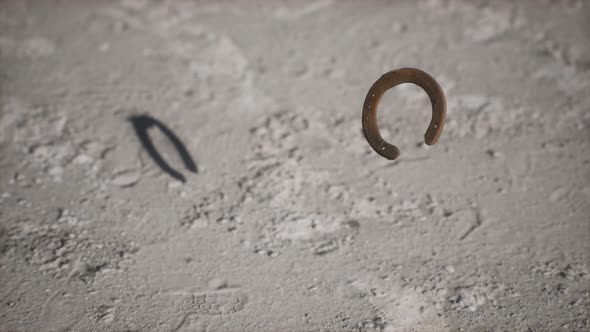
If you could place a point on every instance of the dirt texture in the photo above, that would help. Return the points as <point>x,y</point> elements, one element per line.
<point>278,215</point>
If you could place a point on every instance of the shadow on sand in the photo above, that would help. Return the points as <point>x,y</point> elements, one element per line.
<point>141,124</point>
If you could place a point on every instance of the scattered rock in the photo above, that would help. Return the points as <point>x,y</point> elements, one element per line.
<point>127,178</point>
<point>217,283</point>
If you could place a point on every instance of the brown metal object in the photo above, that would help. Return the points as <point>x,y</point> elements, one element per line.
<point>388,81</point>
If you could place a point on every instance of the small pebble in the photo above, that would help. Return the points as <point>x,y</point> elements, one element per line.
<point>126,178</point>
<point>174,184</point>
<point>199,222</point>
<point>82,159</point>
<point>217,283</point>
<point>94,149</point>
<point>493,153</point>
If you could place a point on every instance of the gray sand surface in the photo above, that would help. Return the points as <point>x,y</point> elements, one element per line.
<point>291,222</point>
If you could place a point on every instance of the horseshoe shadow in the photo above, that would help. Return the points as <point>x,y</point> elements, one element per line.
<point>141,124</point>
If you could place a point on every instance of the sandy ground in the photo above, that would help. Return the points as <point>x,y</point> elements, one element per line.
<point>289,221</point>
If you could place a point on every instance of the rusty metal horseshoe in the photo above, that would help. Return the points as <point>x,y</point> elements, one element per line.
<point>388,81</point>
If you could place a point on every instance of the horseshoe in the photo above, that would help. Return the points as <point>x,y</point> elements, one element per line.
<point>388,81</point>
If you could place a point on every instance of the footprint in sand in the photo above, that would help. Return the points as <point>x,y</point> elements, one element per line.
<point>62,310</point>
<point>199,305</point>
